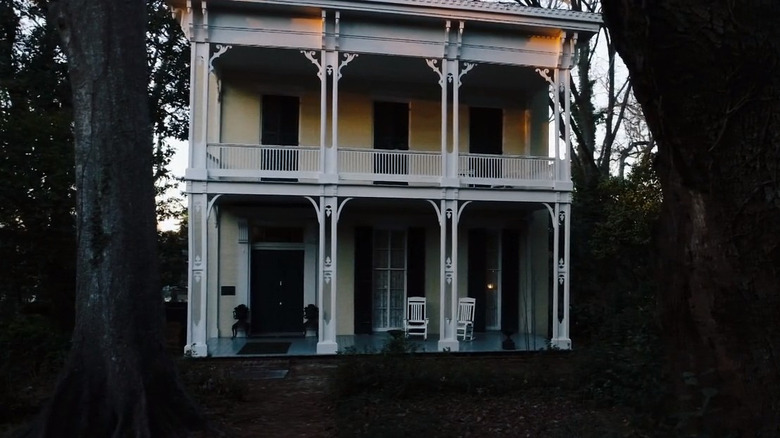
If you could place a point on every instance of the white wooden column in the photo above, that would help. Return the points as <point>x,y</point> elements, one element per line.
<point>448,212</point>
<point>329,211</point>
<point>560,284</point>
<point>327,340</point>
<point>322,76</point>
<point>554,90</point>
<point>448,175</point>
<point>320,205</point>
<point>336,72</point>
<point>197,275</point>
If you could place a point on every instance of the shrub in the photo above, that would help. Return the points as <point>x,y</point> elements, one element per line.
<point>31,353</point>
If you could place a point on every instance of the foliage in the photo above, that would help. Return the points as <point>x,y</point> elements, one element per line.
<point>209,378</point>
<point>172,252</point>
<point>398,372</point>
<point>607,131</point>
<point>31,350</point>
<point>715,113</point>
<point>613,300</point>
<point>37,197</point>
<point>168,58</point>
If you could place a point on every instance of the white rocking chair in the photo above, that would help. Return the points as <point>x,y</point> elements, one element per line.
<point>416,321</point>
<point>465,323</point>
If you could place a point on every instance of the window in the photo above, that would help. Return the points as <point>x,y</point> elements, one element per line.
<point>389,278</point>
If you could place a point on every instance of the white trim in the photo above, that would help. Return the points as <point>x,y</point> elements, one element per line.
<point>497,12</point>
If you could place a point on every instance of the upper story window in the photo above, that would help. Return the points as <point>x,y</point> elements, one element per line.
<point>280,120</point>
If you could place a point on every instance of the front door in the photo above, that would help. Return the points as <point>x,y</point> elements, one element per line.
<point>277,291</point>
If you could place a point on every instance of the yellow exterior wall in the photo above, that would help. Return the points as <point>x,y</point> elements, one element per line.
<point>355,121</point>
<point>228,270</point>
<point>525,129</point>
<point>309,118</point>
<point>539,107</point>
<point>425,126</point>
<point>240,115</point>
<point>515,127</point>
<point>345,300</point>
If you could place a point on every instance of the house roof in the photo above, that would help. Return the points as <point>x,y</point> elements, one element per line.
<point>506,11</point>
<point>505,7</point>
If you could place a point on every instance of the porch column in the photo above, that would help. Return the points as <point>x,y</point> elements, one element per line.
<point>560,287</point>
<point>197,274</point>
<point>448,175</point>
<point>329,212</point>
<point>448,213</point>
<point>327,343</point>
<point>459,73</point>
<point>555,95</point>
<point>321,74</point>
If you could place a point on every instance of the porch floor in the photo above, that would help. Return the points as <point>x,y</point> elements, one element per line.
<point>484,342</point>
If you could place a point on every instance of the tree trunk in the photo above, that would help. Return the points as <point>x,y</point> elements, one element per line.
<point>706,75</point>
<point>118,379</point>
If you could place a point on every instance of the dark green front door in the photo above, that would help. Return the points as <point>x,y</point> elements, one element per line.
<point>277,291</point>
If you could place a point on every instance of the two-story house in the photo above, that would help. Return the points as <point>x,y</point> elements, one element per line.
<point>353,153</point>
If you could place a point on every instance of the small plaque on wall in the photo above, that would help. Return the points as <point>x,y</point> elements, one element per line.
<point>228,290</point>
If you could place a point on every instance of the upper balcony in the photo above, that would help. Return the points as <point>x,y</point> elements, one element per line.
<point>419,94</point>
<point>255,162</point>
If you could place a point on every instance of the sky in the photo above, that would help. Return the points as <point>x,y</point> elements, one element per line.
<point>177,167</point>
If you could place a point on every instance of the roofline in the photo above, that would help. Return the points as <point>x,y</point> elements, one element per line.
<point>487,11</point>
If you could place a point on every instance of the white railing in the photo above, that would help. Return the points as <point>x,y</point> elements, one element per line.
<point>389,165</point>
<point>508,170</point>
<point>246,161</point>
<point>242,160</point>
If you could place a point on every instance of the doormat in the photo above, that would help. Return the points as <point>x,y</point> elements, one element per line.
<point>265,348</point>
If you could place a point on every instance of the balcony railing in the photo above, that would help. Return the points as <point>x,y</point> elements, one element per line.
<point>483,169</point>
<point>252,162</point>
<point>390,166</point>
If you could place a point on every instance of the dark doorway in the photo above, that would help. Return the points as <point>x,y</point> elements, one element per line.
<point>477,274</point>
<point>280,128</point>
<point>277,291</point>
<point>486,136</point>
<point>391,132</point>
<point>364,250</point>
<point>510,279</point>
<point>280,120</point>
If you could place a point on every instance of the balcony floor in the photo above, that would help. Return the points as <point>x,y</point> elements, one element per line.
<point>484,342</point>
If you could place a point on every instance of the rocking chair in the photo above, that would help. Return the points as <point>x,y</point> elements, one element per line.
<point>465,323</point>
<point>416,322</point>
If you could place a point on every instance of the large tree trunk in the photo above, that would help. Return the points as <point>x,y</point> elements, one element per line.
<point>706,74</point>
<point>118,379</point>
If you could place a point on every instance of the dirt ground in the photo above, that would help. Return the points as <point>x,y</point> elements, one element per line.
<point>291,398</point>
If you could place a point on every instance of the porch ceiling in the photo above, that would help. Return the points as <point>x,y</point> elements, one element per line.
<point>375,72</point>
